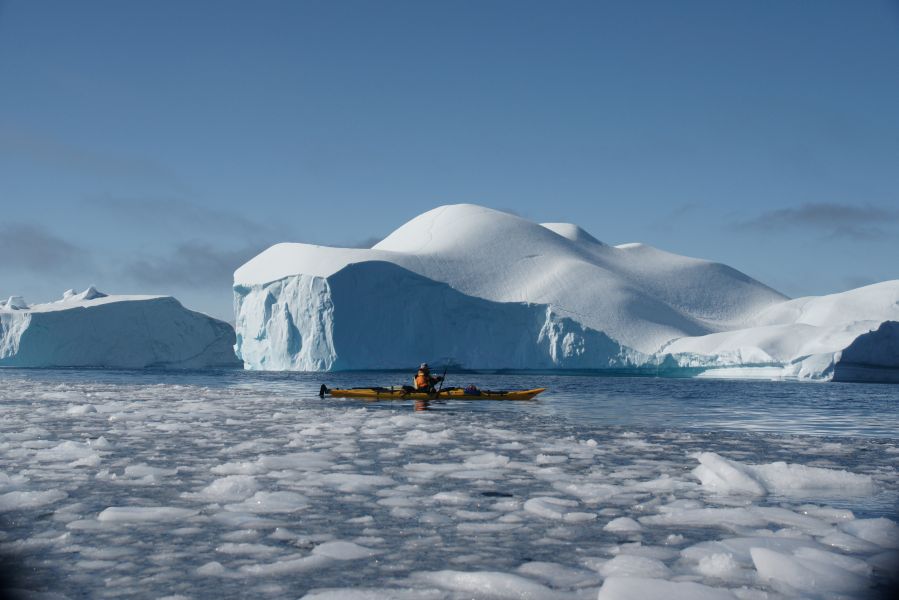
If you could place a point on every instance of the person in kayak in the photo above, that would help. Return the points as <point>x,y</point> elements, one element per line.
<point>424,381</point>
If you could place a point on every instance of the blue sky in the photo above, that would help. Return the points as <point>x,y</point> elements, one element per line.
<point>151,147</point>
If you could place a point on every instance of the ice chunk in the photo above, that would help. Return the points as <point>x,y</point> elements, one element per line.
<point>144,514</point>
<point>720,566</point>
<point>882,531</point>
<point>490,584</point>
<point>141,470</point>
<point>25,500</point>
<point>355,482</point>
<point>284,567</point>
<point>628,565</point>
<point>421,437</point>
<point>831,515</point>
<point>229,489</point>
<point>590,493</point>
<point>343,550</point>
<point>374,594</point>
<point>455,497</point>
<point>559,576</point>
<point>556,508</point>
<point>247,549</point>
<point>271,502</point>
<point>739,548</point>
<point>487,460</point>
<point>638,588</point>
<point>848,543</point>
<point>721,475</point>
<point>800,480</point>
<point>101,443</point>
<point>848,563</point>
<point>706,517</point>
<point>623,524</point>
<point>212,568</point>
<point>726,476</point>
<point>818,573</point>
<point>80,454</point>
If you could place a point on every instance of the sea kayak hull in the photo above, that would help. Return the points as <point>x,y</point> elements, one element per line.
<point>449,394</point>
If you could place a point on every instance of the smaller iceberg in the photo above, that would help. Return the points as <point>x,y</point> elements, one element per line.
<point>92,329</point>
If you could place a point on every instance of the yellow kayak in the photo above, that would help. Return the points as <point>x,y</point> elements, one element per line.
<point>406,393</point>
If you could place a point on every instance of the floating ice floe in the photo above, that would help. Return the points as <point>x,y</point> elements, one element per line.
<point>722,475</point>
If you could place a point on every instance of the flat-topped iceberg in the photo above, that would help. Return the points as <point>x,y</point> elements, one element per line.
<point>92,329</point>
<point>481,288</point>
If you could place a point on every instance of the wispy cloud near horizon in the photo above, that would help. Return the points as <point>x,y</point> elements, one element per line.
<point>186,217</point>
<point>865,222</point>
<point>25,246</point>
<point>54,153</point>
<point>193,264</point>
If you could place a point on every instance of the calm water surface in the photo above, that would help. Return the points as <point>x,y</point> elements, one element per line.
<point>780,407</point>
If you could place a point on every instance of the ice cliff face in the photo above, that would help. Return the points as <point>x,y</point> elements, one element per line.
<point>485,289</point>
<point>92,329</point>
<point>313,323</point>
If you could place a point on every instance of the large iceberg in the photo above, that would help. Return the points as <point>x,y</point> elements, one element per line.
<point>91,329</point>
<point>479,288</point>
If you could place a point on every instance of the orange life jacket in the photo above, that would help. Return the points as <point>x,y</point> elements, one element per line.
<point>422,380</point>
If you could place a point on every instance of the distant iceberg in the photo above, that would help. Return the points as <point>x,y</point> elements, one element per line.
<point>92,329</point>
<point>479,288</point>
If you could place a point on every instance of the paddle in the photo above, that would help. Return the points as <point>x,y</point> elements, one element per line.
<point>442,379</point>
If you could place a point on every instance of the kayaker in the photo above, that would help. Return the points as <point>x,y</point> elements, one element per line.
<point>424,381</point>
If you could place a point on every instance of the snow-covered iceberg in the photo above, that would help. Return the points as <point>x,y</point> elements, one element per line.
<point>91,329</point>
<point>481,288</point>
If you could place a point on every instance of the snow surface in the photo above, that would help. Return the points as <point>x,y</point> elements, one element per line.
<point>486,289</point>
<point>200,490</point>
<point>92,329</point>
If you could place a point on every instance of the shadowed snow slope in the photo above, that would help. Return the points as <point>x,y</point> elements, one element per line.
<point>490,289</point>
<point>92,329</point>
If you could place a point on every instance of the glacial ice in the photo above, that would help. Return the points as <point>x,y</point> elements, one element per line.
<point>719,474</point>
<point>474,287</point>
<point>643,588</point>
<point>91,329</point>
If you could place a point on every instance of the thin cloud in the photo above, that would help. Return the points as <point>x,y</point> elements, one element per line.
<point>865,222</point>
<point>195,265</point>
<point>30,247</point>
<point>56,154</point>
<point>678,212</point>
<point>173,215</point>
